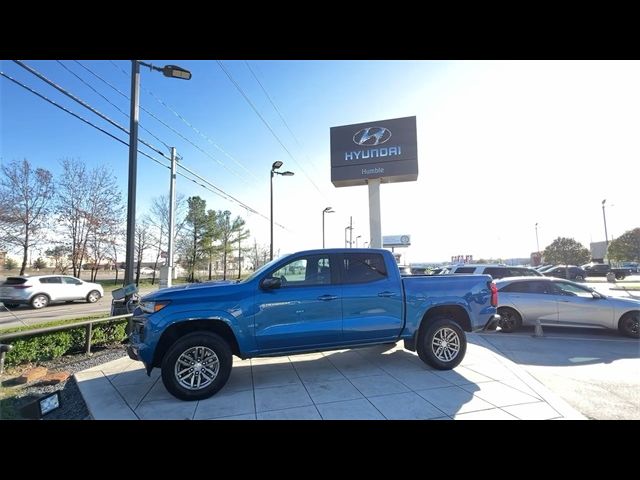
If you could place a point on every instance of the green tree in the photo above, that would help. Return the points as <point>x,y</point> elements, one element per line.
<point>566,251</point>
<point>40,263</point>
<point>196,220</point>
<point>211,236</point>
<point>626,247</point>
<point>10,263</point>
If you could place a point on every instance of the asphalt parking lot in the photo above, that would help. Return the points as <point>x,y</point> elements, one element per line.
<point>596,371</point>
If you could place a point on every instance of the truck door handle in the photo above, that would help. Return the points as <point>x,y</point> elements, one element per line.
<point>326,298</point>
<point>386,294</point>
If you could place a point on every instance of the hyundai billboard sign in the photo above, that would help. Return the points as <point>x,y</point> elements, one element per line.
<point>385,149</point>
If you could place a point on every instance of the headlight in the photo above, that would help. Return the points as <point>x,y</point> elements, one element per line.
<point>153,307</point>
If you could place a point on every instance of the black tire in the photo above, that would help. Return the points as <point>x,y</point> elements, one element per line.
<point>579,278</point>
<point>510,320</point>
<point>442,344</point>
<point>629,325</point>
<point>39,301</point>
<point>11,305</point>
<point>93,296</point>
<point>620,276</point>
<point>191,347</point>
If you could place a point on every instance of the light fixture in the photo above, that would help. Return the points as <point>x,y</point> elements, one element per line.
<point>41,407</point>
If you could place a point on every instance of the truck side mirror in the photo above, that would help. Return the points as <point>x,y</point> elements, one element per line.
<point>270,283</point>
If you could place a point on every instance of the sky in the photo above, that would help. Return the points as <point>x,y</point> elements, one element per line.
<point>502,145</point>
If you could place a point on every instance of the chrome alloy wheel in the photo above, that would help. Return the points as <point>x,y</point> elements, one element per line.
<point>196,368</point>
<point>445,344</point>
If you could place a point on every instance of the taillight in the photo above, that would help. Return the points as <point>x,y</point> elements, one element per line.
<point>494,294</point>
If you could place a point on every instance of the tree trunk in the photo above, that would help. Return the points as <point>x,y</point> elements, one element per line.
<point>224,261</point>
<point>25,252</point>
<point>210,262</point>
<point>239,261</point>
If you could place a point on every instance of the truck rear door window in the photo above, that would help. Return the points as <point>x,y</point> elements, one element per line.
<point>363,267</point>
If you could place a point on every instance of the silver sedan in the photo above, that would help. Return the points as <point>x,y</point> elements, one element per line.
<point>556,302</point>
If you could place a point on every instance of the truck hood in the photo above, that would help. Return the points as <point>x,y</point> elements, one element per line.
<point>188,288</point>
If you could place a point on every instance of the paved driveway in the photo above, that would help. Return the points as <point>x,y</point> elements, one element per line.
<point>383,382</point>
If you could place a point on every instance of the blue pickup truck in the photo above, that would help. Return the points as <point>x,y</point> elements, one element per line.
<point>307,301</point>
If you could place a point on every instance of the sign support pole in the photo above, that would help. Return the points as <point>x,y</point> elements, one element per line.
<point>375,224</point>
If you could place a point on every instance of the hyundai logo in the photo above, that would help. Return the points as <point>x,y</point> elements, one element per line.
<point>372,136</point>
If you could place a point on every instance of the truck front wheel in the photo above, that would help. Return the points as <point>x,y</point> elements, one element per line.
<point>442,344</point>
<point>196,366</point>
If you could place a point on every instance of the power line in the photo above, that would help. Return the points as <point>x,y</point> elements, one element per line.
<point>275,107</point>
<point>159,100</point>
<point>109,101</point>
<point>218,191</point>
<point>82,102</point>
<point>61,107</point>
<point>239,88</point>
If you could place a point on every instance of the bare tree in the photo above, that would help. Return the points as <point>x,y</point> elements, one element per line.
<point>159,220</point>
<point>143,241</point>
<point>258,254</point>
<point>88,203</point>
<point>229,234</point>
<point>25,198</point>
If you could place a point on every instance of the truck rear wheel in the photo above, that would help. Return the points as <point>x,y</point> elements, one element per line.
<point>442,344</point>
<point>196,366</point>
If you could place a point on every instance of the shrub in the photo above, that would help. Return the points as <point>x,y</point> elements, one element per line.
<point>53,345</point>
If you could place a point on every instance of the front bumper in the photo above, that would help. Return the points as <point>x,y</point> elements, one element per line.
<point>132,351</point>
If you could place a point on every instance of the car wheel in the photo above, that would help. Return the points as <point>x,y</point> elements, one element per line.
<point>442,344</point>
<point>40,301</point>
<point>93,296</point>
<point>629,325</point>
<point>620,276</point>
<point>196,366</point>
<point>579,278</point>
<point>510,320</point>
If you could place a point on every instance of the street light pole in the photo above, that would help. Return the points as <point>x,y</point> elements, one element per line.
<point>133,171</point>
<point>276,165</point>
<point>537,243</point>
<point>172,71</point>
<point>326,210</point>
<point>359,236</point>
<point>606,235</point>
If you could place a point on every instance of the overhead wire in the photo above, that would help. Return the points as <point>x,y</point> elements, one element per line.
<point>110,102</point>
<point>275,107</point>
<point>33,71</point>
<point>275,135</point>
<point>184,120</point>
<point>218,191</point>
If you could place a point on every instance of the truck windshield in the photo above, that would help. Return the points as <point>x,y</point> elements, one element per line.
<point>263,268</point>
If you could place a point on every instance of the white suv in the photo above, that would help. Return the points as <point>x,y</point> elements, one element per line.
<point>495,270</point>
<point>39,291</point>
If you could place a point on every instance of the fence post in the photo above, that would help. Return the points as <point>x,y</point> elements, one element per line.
<point>87,344</point>
<point>3,351</point>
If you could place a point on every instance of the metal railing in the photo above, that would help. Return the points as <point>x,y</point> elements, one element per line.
<point>88,324</point>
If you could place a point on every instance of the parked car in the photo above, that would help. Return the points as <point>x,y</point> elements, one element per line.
<point>343,298</point>
<point>555,302</point>
<point>634,267</point>
<point>496,271</point>
<point>146,271</point>
<point>41,290</point>
<point>560,271</point>
<point>603,269</point>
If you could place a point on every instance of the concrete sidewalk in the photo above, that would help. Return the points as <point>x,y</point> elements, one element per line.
<point>379,382</point>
